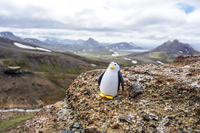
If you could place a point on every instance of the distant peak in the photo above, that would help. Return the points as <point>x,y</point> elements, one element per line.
<point>6,32</point>
<point>90,39</point>
<point>176,41</point>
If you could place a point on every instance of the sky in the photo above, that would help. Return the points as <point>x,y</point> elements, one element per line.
<point>149,22</point>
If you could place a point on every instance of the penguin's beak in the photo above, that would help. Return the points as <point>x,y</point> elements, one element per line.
<point>112,67</point>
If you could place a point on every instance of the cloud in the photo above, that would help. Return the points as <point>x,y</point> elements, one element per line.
<point>150,22</point>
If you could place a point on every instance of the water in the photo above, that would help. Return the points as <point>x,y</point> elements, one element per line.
<point>23,110</point>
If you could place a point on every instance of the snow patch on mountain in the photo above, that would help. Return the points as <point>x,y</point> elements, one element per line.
<point>134,61</point>
<point>30,47</point>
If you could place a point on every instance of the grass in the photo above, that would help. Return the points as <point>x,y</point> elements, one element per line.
<point>51,76</point>
<point>63,90</point>
<point>164,57</point>
<point>6,125</point>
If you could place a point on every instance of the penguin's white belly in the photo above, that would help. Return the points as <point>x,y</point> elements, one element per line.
<point>109,83</point>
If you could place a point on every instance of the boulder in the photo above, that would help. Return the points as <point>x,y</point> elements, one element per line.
<point>12,70</point>
<point>135,89</point>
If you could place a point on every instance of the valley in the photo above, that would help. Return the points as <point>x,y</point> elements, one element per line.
<point>49,67</point>
<point>44,79</point>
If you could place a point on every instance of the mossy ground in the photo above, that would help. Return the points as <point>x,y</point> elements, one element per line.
<point>9,124</point>
<point>63,81</point>
<point>163,57</point>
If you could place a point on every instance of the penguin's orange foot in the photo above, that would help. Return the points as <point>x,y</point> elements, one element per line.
<point>109,97</point>
<point>102,95</point>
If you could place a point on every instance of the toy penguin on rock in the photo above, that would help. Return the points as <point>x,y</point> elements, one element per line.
<point>110,80</point>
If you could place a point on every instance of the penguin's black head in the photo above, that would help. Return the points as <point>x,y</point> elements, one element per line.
<point>116,62</point>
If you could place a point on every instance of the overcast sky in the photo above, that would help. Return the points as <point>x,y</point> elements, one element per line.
<point>140,21</point>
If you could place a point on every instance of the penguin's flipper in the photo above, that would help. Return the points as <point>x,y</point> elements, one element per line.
<point>100,77</point>
<point>120,80</point>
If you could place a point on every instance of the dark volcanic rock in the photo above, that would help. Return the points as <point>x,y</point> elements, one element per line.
<point>135,89</point>
<point>12,70</point>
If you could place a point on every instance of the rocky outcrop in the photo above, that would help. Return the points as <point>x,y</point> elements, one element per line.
<point>184,60</point>
<point>169,101</point>
<point>12,70</point>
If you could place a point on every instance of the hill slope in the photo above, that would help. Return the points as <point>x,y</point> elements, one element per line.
<point>39,59</point>
<point>122,46</point>
<point>27,91</point>
<point>168,102</point>
<point>53,71</point>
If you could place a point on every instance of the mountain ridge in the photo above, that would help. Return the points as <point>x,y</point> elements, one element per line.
<point>165,53</point>
<point>175,47</point>
<point>64,44</point>
<point>123,46</point>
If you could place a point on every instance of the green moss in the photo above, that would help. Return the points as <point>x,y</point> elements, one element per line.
<point>158,56</point>
<point>17,62</point>
<point>56,68</point>
<point>5,56</point>
<point>45,68</point>
<point>14,122</point>
<point>63,90</point>
<point>59,76</point>
<point>164,57</point>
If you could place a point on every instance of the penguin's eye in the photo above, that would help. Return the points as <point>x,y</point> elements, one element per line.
<point>115,64</point>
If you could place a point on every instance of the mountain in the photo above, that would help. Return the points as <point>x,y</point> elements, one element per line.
<point>90,44</point>
<point>35,41</point>
<point>196,46</point>
<point>175,47</point>
<point>123,46</point>
<point>165,53</point>
<point>10,35</point>
<point>84,46</point>
<point>79,42</point>
<point>87,48</point>
<point>51,40</point>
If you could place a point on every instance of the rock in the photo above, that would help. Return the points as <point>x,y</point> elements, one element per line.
<point>152,125</point>
<point>135,89</point>
<point>159,108</point>
<point>91,130</point>
<point>76,125</point>
<point>115,126</point>
<point>166,121</point>
<point>125,119</point>
<point>189,74</point>
<point>155,130</point>
<point>12,70</point>
<point>197,111</point>
<point>67,132</point>
<point>145,116</point>
<point>7,89</point>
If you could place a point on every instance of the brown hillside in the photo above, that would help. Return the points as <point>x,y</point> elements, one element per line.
<point>27,91</point>
<point>51,74</point>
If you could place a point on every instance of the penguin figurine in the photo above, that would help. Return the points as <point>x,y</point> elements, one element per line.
<point>110,80</point>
